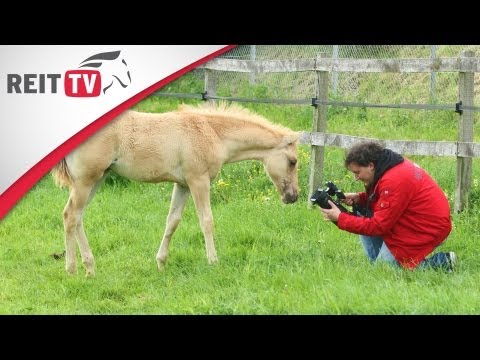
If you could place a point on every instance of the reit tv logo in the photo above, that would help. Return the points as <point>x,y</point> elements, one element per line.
<point>94,76</point>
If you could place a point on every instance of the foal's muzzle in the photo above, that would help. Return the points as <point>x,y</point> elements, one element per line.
<point>290,197</point>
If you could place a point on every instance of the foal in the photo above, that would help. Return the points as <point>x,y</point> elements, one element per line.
<point>187,147</point>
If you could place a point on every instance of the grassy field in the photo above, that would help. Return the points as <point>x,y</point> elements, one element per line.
<point>274,258</point>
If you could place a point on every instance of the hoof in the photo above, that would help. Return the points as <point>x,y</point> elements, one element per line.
<point>72,271</point>
<point>89,268</point>
<point>58,256</point>
<point>213,261</point>
<point>160,265</point>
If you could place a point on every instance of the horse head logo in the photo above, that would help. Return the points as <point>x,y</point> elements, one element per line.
<point>114,68</point>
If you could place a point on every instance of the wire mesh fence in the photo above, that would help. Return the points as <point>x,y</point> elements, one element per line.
<point>363,87</point>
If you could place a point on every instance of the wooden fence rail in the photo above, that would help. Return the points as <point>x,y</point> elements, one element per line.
<point>464,149</point>
<point>462,64</point>
<point>435,148</point>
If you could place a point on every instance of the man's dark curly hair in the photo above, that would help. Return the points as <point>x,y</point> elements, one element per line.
<point>364,153</point>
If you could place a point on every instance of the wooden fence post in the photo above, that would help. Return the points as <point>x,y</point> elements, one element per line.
<point>465,134</point>
<point>317,152</point>
<point>253,57</point>
<point>433,76</point>
<point>210,83</point>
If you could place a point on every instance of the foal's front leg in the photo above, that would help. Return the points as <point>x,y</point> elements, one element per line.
<point>200,189</point>
<point>177,205</point>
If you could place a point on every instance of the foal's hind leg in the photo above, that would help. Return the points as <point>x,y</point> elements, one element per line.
<point>85,251</point>
<point>179,198</point>
<point>70,228</point>
<point>72,219</point>
<point>80,195</point>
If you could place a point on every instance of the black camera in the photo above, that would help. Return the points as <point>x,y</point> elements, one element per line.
<point>321,197</point>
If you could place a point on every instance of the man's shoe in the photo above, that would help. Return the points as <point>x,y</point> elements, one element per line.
<point>451,261</point>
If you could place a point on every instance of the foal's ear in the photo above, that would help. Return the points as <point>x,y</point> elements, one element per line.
<point>290,139</point>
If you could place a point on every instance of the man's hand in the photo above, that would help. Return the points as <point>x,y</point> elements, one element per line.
<point>331,214</point>
<point>351,198</point>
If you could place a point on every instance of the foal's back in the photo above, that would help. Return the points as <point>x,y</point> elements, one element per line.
<point>149,147</point>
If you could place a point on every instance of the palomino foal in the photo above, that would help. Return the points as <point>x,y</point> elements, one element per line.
<point>187,147</point>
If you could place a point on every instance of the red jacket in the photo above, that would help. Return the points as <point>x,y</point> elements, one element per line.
<point>410,212</point>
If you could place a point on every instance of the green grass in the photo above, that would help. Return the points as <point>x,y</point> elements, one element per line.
<point>274,258</point>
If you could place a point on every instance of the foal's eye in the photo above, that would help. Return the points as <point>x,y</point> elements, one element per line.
<point>293,162</point>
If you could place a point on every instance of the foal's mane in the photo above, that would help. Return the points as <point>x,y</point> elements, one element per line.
<point>235,112</point>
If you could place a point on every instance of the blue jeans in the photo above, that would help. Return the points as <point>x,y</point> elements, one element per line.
<point>377,250</point>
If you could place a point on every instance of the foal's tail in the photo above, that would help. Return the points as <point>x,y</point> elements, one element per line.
<point>61,174</point>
